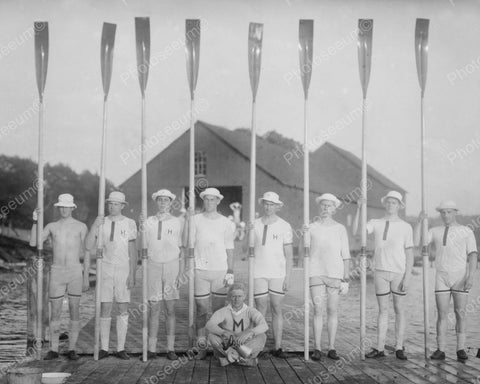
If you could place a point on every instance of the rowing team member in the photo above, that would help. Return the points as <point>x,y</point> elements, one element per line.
<point>213,243</point>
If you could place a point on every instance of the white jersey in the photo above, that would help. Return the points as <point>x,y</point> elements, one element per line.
<point>212,238</point>
<point>328,249</point>
<point>270,239</point>
<point>391,240</point>
<point>452,246</point>
<point>164,238</point>
<point>116,236</point>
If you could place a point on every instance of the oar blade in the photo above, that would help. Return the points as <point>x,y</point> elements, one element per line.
<point>305,46</point>
<point>142,35</point>
<point>365,37</point>
<point>192,49</point>
<point>41,55</point>
<point>106,54</point>
<point>255,38</point>
<point>421,51</point>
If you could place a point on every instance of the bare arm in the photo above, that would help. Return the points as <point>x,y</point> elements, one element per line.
<point>33,234</point>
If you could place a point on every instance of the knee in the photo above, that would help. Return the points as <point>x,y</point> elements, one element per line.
<point>317,310</point>
<point>170,310</point>
<point>332,312</point>
<point>459,313</point>
<point>276,309</point>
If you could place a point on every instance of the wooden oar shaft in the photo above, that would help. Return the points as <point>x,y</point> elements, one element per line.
<point>191,208</point>
<point>100,240</point>
<point>306,238</point>
<point>425,261</point>
<point>40,222</point>
<point>363,229</point>
<point>144,252</point>
<point>251,233</point>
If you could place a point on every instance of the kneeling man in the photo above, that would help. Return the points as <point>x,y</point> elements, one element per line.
<point>237,331</point>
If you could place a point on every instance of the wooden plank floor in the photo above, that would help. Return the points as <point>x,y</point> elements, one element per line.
<point>294,370</point>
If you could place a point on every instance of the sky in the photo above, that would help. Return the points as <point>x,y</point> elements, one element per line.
<point>74,95</point>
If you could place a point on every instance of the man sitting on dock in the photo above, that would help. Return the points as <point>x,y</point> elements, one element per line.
<point>119,265</point>
<point>237,331</point>
<point>68,236</point>
<point>455,263</point>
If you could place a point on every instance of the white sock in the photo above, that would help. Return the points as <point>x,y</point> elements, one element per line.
<point>122,325</point>
<point>54,335</point>
<point>152,344</point>
<point>461,341</point>
<point>170,342</point>
<point>105,323</point>
<point>73,336</point>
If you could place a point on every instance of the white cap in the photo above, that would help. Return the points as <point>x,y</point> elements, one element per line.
<point>163,193</point>
<point>116,197</point>
<point>211,192</point>
<point>65,200</point>
<point>395,195</point>
<point>329,197</point>
<point>447,204</point>
<point>271,197</point>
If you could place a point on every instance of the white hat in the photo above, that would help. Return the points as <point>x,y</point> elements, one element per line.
<point>211,192</point>
<point>447,204</point>
<point>163,193</point>
<point>329,197</point>
<point>65,200</point>
<point>271,197</point>
<point>395,195</point>
<point>116,197</point>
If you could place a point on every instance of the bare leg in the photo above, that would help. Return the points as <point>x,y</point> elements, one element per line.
<point>443,300</point>
<point>74,308</point>
<point>317,293</point>
<point>122,326</point>
<point>459,304</point>
<point>105,322</point>
<point>277,318</point>
<point>56,311</point>
<point>153,321</point>
<point>382,321</point>
<point>332,316</point>
<point>170,323</point>
<point>399,307</point>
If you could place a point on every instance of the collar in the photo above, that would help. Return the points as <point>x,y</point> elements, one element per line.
<point>230,308</point>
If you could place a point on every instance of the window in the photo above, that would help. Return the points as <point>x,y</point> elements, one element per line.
<point>200,163</point>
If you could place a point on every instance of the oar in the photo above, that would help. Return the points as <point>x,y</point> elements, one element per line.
<point>106,61</point>
<point>421,55</point>
<point>255,36</point>
<point>305,46</point>
<point>41,64</point>
<point>365,34</point>
<point>192,49</point>
<point>142,33</point>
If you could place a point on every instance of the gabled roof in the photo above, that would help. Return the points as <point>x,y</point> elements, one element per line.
<point>331,168</point>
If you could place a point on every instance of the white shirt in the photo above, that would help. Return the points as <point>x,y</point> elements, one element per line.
<point>116,235</point>
<point>391,240</point>
<point>452,250</point>
<point>212,237</point>
<point>329,248</point>
<point>164,238</point>
<point>270,239</point>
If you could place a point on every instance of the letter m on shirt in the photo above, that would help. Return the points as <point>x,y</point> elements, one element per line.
<point>239,325</point>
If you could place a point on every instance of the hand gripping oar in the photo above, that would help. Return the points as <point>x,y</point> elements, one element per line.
<point>41,64</point>
<point>142,34</point>
<point>106,61</point>
<point>305,45</point>
<point>192,50</point>
<point>421,56</point>
<point>255,36</point>
<point>365,33</point>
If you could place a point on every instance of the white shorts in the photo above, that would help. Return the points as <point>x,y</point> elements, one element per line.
<point>264,286</point>
<point>386,282</point>
<point>450,282</point>
<point>207,282</point>
<point>65,279</point>
<point>114,283</point>
<point>161,280</point>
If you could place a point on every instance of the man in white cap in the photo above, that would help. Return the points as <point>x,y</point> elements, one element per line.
<point>119,265</point>
<point>165,267</point>
<point>455,263</point>
<point>393,267</point>
<point>68,237</point>
<point>237,331</point>
<point>329,267</point>
<point>213,247</point>
<point>273,264</point>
